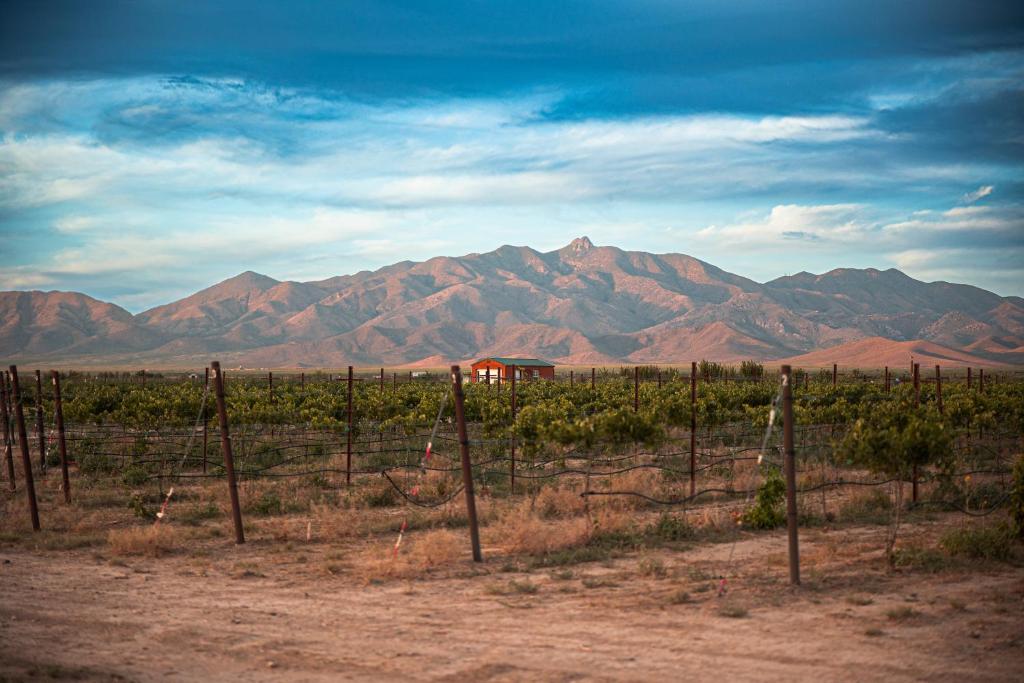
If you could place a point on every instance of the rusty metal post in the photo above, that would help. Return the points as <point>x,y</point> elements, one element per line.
<point>693,428</point>
<point>887,379</point>
<point>302,381</point>
<point>40,426</point>
<point>512,460</point>
<point>789,453</point>
<point>968,377</point>
<point>8,441</point>
<point>410,377</point>
<point>467,466</point>
<point>348,432</point>
<point>382,381</point>
<point>938,388</point>
<point>917,404</point>
<point>835,375</point>
<point>636,388</point>
<point>225,444</point>
<point>26,459</point>
<point>572,377</point>
<point>58,413</point>
<point>593,375</point>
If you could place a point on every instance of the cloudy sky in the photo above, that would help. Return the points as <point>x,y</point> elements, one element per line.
<point>149,149</point>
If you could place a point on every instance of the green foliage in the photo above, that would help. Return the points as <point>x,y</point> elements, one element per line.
<point>896,438</point>
<point>1017,497</point>
<point>768,510</point>
<point>989,542</point>
<point>670,528</point>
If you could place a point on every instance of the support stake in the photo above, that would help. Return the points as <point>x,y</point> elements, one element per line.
<point>58,412</point>
<point>26,459</point>
<point>225,444</point>
<point>790,466</point>
<point>467,466</point>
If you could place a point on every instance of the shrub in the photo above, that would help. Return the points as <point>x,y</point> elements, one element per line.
<point>1017,497</point>
<point>152,540</point>
<point>767,511</point>
<point>992,542</point>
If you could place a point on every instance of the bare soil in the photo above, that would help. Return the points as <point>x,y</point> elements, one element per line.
<point>301,612</point>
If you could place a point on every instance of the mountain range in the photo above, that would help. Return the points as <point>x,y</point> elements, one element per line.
<point>581,305</point>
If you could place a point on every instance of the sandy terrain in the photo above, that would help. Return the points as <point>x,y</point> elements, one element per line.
<point>270,612</point>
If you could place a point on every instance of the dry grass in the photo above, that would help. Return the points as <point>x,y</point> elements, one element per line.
<point>420,552</point>
<point>522,529</point>
<point>150,541</point>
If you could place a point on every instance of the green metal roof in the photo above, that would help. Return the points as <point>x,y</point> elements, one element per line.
<point>519,362</point>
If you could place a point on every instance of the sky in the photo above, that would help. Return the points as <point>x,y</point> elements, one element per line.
<point>149,149</point>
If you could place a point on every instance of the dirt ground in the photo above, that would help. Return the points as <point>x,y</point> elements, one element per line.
<point>270,611</point>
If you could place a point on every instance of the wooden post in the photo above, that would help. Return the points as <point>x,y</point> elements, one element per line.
<point>887,379</point>
<point>512,460</point>
<point>917,404</point>
<point>410,377</point>
<point>58,413</point>
<point>26,459</point>
<point>348,432</point>
<point>40,426</point>
<point>592,378</point>
<point>835,375</point>
<point>938,388</point>
<point>571,378</point>
<point>968,377</point>
<point>8,441</point>
<point>467,465</point>
<point>302,381</point>
<point>382,382</point>
<point>693,428</point>
<point>790,467</point>
<point>225,444</point>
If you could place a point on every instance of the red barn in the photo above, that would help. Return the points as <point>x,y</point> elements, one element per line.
<point>501,369</point>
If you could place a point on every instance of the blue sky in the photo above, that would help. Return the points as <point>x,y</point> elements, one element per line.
<point>149,149</point>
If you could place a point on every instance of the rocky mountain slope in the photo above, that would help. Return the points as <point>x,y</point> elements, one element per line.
<point>581,304</point>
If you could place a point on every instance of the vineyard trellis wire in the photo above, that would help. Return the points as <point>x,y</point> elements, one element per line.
<point>607,433</point>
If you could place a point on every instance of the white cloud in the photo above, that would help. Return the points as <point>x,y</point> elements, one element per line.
<point>983,191</point>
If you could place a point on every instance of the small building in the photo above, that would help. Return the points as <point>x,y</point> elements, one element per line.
<point>500,369</point>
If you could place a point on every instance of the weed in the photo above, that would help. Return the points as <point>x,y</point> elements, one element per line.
<point>151,540</point>
<point>733,611</point>
<point>991,542</point>
<point>767,511</point>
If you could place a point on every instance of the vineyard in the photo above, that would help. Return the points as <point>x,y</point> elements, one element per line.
<point>657,440</point>
<point>659,486</point>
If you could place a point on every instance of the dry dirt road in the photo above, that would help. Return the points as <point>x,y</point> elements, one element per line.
<point>259,613</point>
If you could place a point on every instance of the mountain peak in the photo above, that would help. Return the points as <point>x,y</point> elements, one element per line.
<point>580,244</point>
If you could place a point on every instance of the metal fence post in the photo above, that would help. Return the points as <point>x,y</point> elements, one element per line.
<point>58,412</point>
<point>636,388</point>
<point>512,460</point>
<point>693,428</point>
<point>40,425</point>
<point>348,432</point>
